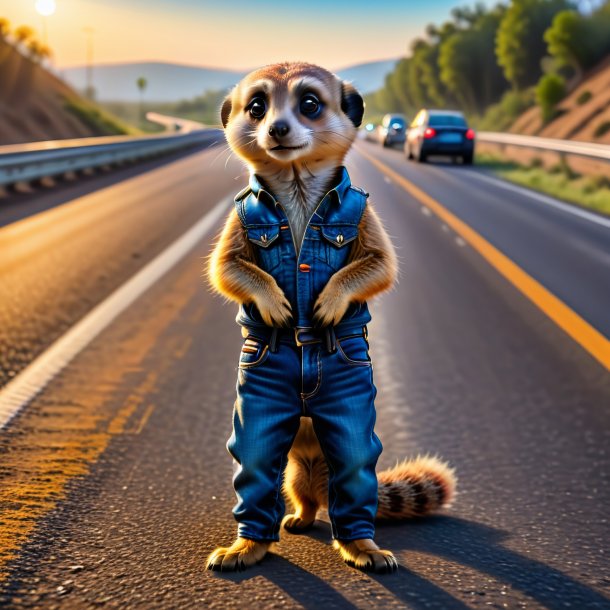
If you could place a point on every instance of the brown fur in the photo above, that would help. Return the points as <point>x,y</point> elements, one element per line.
<point>413,488</point>
<point>298,178</point>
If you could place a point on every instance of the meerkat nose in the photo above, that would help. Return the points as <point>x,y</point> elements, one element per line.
<point>279,129</point>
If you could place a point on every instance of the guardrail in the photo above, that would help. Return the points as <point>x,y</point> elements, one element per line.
<point>28,162</point>
<point>601,152</point>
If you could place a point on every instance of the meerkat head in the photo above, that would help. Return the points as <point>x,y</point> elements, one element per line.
<point>291,113</point>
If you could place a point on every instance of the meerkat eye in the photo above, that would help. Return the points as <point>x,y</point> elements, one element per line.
<point>310,105</point>
<point>257,107</point>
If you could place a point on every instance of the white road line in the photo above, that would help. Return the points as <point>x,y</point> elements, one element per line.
<point>33,379</point>
<point>600,220</point>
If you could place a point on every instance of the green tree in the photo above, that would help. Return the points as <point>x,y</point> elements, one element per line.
<point>467,63</point>
<point>141,83</point>
<point>520,45</point>
<point>550,91</point>
<point>579,41</point>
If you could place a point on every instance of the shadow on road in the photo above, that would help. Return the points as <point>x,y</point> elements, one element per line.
<point>480,547</point>
<point>458,541</point>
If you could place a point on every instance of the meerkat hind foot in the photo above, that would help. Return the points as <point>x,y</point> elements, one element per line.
<point>298,524</point>
<point>365,555</point>
<point>242,554</point>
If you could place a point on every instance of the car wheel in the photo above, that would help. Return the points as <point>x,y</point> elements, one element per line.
<point>421,157</point>
<point>467,159</point>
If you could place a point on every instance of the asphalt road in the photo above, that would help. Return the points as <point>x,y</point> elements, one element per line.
<point>115,482</point>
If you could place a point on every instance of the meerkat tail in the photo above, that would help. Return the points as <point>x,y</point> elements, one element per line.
<point>415,487</point>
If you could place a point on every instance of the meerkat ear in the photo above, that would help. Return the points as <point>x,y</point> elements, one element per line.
<point>352,103</point>
<point>225,111</point>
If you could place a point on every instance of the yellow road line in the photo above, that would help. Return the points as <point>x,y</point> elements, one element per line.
<point>568,320</point>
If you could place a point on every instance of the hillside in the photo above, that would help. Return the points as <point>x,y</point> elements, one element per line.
<point>36,105</point>
<point>583,115</point>
<point>168,82</point>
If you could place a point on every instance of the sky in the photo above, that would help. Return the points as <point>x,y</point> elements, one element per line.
<point>233,34</point>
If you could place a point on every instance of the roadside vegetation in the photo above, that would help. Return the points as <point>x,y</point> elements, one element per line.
<point>100,121</point>
<point>495,63</point>
<point>34,103</point>
<point>204,109</point>
<point>560,181</point>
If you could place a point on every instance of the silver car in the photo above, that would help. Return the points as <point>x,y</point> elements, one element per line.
<point>393,129</point>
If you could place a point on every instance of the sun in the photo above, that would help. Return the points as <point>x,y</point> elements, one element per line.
<point>45,7</point>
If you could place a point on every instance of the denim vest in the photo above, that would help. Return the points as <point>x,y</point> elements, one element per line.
<point>324,250</point>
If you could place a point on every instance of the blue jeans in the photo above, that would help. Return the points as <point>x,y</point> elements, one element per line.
<point>274,389</point>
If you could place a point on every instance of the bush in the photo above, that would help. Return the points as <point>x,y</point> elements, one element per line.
<point>551,89</point>
<point>584,97</point>
<point>501,116</point>
<point>602,129</point>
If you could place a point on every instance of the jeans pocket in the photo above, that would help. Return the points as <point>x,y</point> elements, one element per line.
<point>354,351</point>
<point>253,353</point>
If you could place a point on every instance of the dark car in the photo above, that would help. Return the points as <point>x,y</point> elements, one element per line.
<point>392,130</point>
<point>440,132</point>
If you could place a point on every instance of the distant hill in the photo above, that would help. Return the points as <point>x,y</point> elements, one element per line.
<point>168,82</point>
<point>36,105</point>
<point>368,77</point>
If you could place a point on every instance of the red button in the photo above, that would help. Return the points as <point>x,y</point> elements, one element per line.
<point>304,267</point>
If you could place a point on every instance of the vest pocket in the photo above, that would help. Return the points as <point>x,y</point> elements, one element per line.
<point>267,241</point>
<point>333,242</point>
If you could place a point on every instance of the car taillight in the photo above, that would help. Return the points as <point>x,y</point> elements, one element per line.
<point>429,133</point>
<point>470,134</point>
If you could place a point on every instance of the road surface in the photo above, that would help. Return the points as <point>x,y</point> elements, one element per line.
<point>115,480</point>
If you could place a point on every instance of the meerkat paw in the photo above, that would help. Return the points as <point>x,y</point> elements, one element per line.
<point>330,306</point>
<point>365,555</point>
<point>242,554</point>
<point>298,523</point>
<point>274,307</point>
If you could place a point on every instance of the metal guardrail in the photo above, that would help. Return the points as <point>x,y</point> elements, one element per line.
<point>601,152</point>
<point>27,162</point>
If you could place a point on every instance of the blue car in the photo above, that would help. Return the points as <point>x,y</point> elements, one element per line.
<point>440,132</point>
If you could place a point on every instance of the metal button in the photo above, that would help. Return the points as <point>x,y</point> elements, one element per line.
<point>304,267</point>
<point>340,238</point>
<point>264,238</point>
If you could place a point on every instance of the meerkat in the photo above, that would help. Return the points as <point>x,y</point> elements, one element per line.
<point>293,124</point>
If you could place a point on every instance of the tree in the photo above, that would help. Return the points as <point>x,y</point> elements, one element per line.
<point>520,46</point>
<point>23,34</point>
<point>5,28</point>
<point>142,83</point>
<point>579,41</point>
<point>468,66</point>
<point>550,91</point>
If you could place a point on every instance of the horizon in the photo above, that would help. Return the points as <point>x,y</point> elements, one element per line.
<point>195,33</point>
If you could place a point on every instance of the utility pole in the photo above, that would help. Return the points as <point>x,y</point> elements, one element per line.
<point>89,90</point>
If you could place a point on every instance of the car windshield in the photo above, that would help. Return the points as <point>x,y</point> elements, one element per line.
<point>397,121</point>
<point>456,120</point>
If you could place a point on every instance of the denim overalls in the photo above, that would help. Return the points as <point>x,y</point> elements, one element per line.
<point>284,376</point>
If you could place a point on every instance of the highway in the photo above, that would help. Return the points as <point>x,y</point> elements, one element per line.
<point>115,483</point>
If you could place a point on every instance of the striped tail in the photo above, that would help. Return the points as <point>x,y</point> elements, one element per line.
<point>415,487</point>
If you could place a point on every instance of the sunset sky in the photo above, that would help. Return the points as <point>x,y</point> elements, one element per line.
<point>233,33</point>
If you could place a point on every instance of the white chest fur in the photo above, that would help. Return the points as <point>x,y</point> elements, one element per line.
<point>299,196</point>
